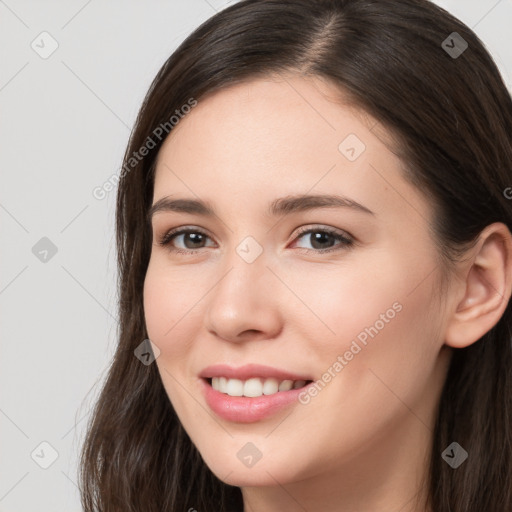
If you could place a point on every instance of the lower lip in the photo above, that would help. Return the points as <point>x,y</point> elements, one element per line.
<point>243,409</point>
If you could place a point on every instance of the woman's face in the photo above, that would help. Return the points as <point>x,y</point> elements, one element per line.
<point>350,306</point>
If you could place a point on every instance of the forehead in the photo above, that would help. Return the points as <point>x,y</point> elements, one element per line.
<point>273,117</point>
<point>277,136</point>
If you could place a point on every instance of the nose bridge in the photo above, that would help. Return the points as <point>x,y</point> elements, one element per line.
<point>246,266</point>
<point>244,297</point>
<point>245,277</point>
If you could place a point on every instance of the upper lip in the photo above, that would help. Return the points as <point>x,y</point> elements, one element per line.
<point>249,371</point>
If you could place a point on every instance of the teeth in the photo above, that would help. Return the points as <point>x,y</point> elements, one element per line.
<point>299,384</point>
<point>286,385</point>
<point>270,386</point>
<point>254,387</point>
<point>223,384</point>
<point>235,387</point>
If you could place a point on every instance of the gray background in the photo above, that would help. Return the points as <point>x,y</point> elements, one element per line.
<point>64,125</point>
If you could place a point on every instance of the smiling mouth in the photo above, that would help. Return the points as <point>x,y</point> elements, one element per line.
<point>254,387</point>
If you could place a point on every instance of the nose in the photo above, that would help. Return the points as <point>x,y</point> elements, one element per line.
<point>244,305</point>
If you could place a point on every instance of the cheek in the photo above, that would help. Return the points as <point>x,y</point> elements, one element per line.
<point>169,309</point>
<point>339,301</point>
<point>375,313</point>
<point>388,341</point>
<point>387,363</point>
<point>157,308</point>
<point>171,322</point>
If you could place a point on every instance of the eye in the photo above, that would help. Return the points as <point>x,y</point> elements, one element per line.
<point>323,239</point>
<point>194,239</point>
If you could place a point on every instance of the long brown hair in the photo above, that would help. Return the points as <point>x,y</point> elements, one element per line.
<point>451,114</point>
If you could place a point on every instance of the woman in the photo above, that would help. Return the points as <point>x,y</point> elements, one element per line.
<point>315,271</point>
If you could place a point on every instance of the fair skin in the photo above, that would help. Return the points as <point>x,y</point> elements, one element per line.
<point>362,443</point>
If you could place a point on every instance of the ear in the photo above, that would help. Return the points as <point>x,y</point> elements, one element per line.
<point>486,289</point>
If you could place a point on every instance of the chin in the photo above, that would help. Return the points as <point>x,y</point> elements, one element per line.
<point>262,473</point>
<point>247,477</point>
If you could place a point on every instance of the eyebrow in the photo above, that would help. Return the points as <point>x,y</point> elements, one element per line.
<point>278,207</point>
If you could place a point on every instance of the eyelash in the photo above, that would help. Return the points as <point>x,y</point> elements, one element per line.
<point>345,242</point>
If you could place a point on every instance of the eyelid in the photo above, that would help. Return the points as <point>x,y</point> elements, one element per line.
<point>166,237</point>
<point>322,227</point>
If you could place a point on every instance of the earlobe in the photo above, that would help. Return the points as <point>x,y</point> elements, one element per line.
<point>486,289</point>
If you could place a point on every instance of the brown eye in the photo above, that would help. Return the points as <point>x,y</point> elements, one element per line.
<point>324,240</point>
<point>192,239</point>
